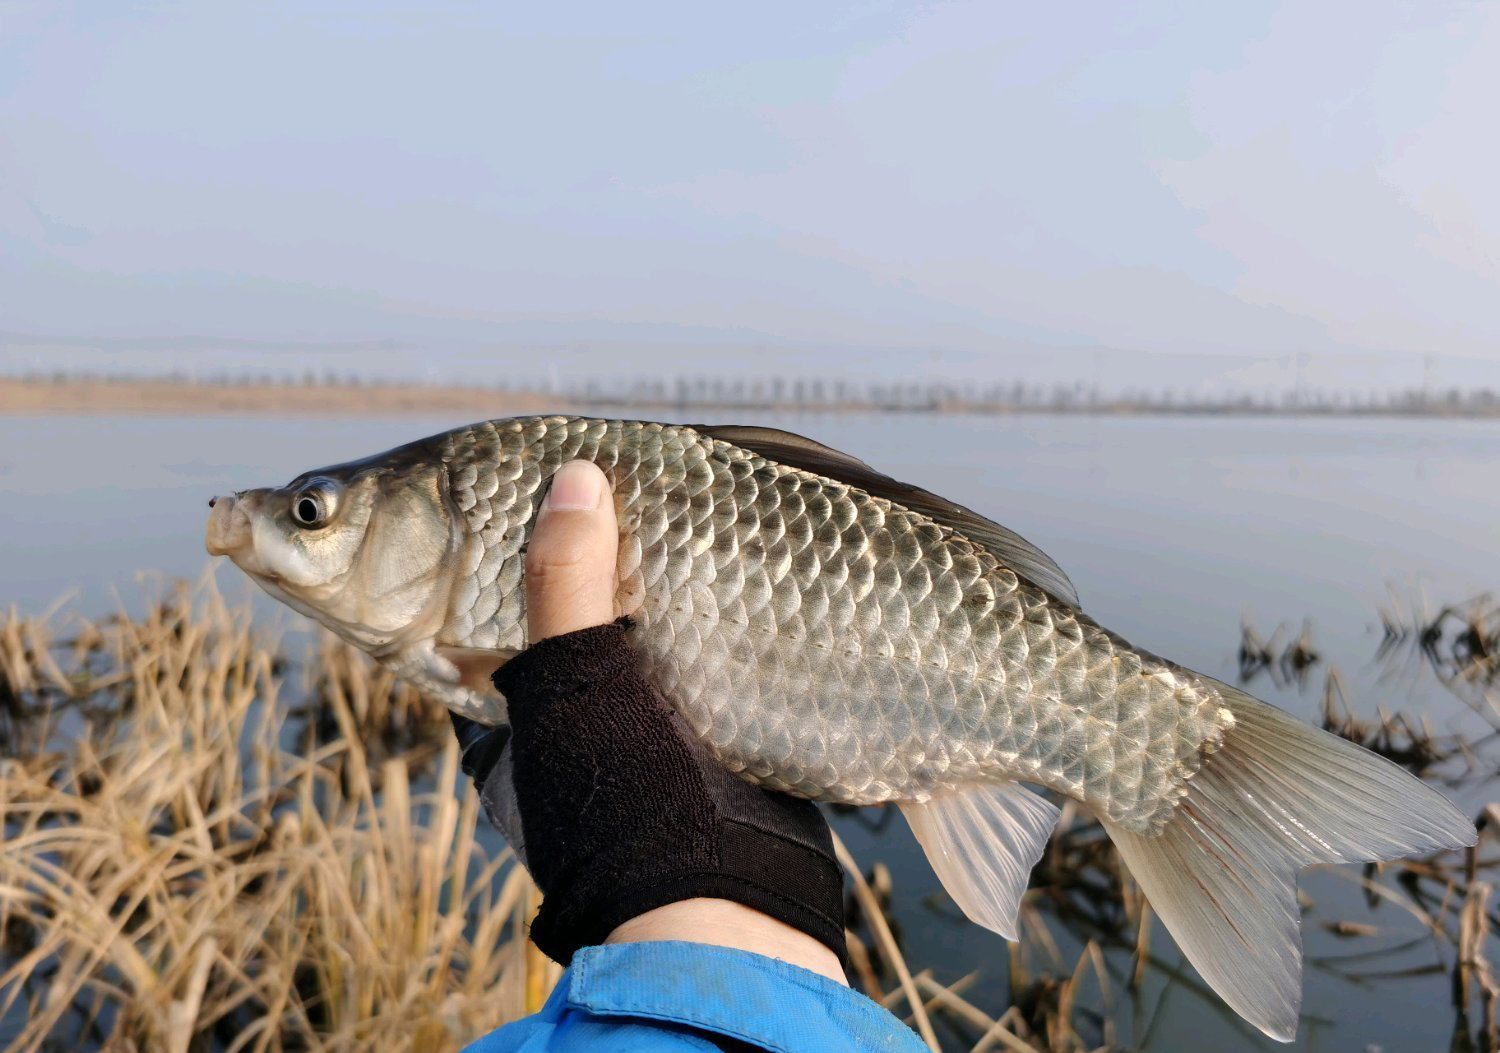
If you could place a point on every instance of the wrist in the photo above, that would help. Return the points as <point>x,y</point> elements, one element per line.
<point>724,923</point>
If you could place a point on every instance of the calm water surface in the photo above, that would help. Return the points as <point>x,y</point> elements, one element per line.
<point>1173,530</point>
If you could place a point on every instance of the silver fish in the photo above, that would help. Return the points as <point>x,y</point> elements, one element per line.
<point>835,634</point>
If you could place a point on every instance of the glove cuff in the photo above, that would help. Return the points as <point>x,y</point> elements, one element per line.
<point>769,874</point>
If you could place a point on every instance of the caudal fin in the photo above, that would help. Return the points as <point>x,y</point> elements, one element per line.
<point>1278,796</point>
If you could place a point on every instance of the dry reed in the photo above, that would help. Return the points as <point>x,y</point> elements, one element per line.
<point>174,877</point>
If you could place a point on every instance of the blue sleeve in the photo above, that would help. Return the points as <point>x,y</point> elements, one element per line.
<point>687,997</point>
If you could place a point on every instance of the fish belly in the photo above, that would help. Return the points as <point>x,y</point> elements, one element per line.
<point>834,715</point>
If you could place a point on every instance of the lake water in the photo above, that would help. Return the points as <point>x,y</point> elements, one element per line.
<point>1173,530</point>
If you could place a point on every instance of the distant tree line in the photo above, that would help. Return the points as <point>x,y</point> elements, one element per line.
<point>811,394</point>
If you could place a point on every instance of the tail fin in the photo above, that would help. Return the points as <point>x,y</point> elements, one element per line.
<point>1278,796</point>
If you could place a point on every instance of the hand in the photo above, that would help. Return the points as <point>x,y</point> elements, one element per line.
<point>630,827</point>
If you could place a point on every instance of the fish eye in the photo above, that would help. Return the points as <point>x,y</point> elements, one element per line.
<point>313,505</point>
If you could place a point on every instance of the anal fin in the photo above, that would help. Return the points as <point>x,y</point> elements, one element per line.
<point>983,842</point>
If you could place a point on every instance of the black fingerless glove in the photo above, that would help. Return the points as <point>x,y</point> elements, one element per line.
<point>623,809</point>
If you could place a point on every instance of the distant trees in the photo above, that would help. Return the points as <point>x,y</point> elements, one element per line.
<point>811,392</point>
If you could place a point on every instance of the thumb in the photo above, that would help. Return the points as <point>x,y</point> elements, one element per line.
<point>570,561</point>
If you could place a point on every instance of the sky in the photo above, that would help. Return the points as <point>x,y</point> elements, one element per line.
<point>1154,193</point>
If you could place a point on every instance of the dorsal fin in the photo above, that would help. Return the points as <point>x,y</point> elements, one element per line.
<point>798,451</point>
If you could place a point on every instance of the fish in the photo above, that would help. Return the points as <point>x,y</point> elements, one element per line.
<point>835,634</point>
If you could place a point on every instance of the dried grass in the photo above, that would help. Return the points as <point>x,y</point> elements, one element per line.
<point>173,877</point>
<point>1459,644</point>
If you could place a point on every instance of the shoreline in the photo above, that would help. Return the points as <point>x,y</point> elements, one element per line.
<point>26,397</point>
<point>144,397</point>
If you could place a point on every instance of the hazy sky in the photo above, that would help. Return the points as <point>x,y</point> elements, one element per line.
<point>1176,192</point>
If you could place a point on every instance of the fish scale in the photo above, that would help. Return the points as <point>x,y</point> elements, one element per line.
<point>923,661</point>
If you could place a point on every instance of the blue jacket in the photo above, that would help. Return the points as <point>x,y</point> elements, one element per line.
<point>679,997</point>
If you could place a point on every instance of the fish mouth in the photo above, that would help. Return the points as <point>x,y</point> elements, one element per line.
<point>228,531</point>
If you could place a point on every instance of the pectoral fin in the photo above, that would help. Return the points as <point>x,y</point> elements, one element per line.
<point>475,665</point>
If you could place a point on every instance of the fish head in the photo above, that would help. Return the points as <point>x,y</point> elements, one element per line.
<point>365,548</point>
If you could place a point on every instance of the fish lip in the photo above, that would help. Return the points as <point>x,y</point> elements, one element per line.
<point>228,529</point>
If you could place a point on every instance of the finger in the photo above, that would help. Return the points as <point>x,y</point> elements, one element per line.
<point>570,561</point>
